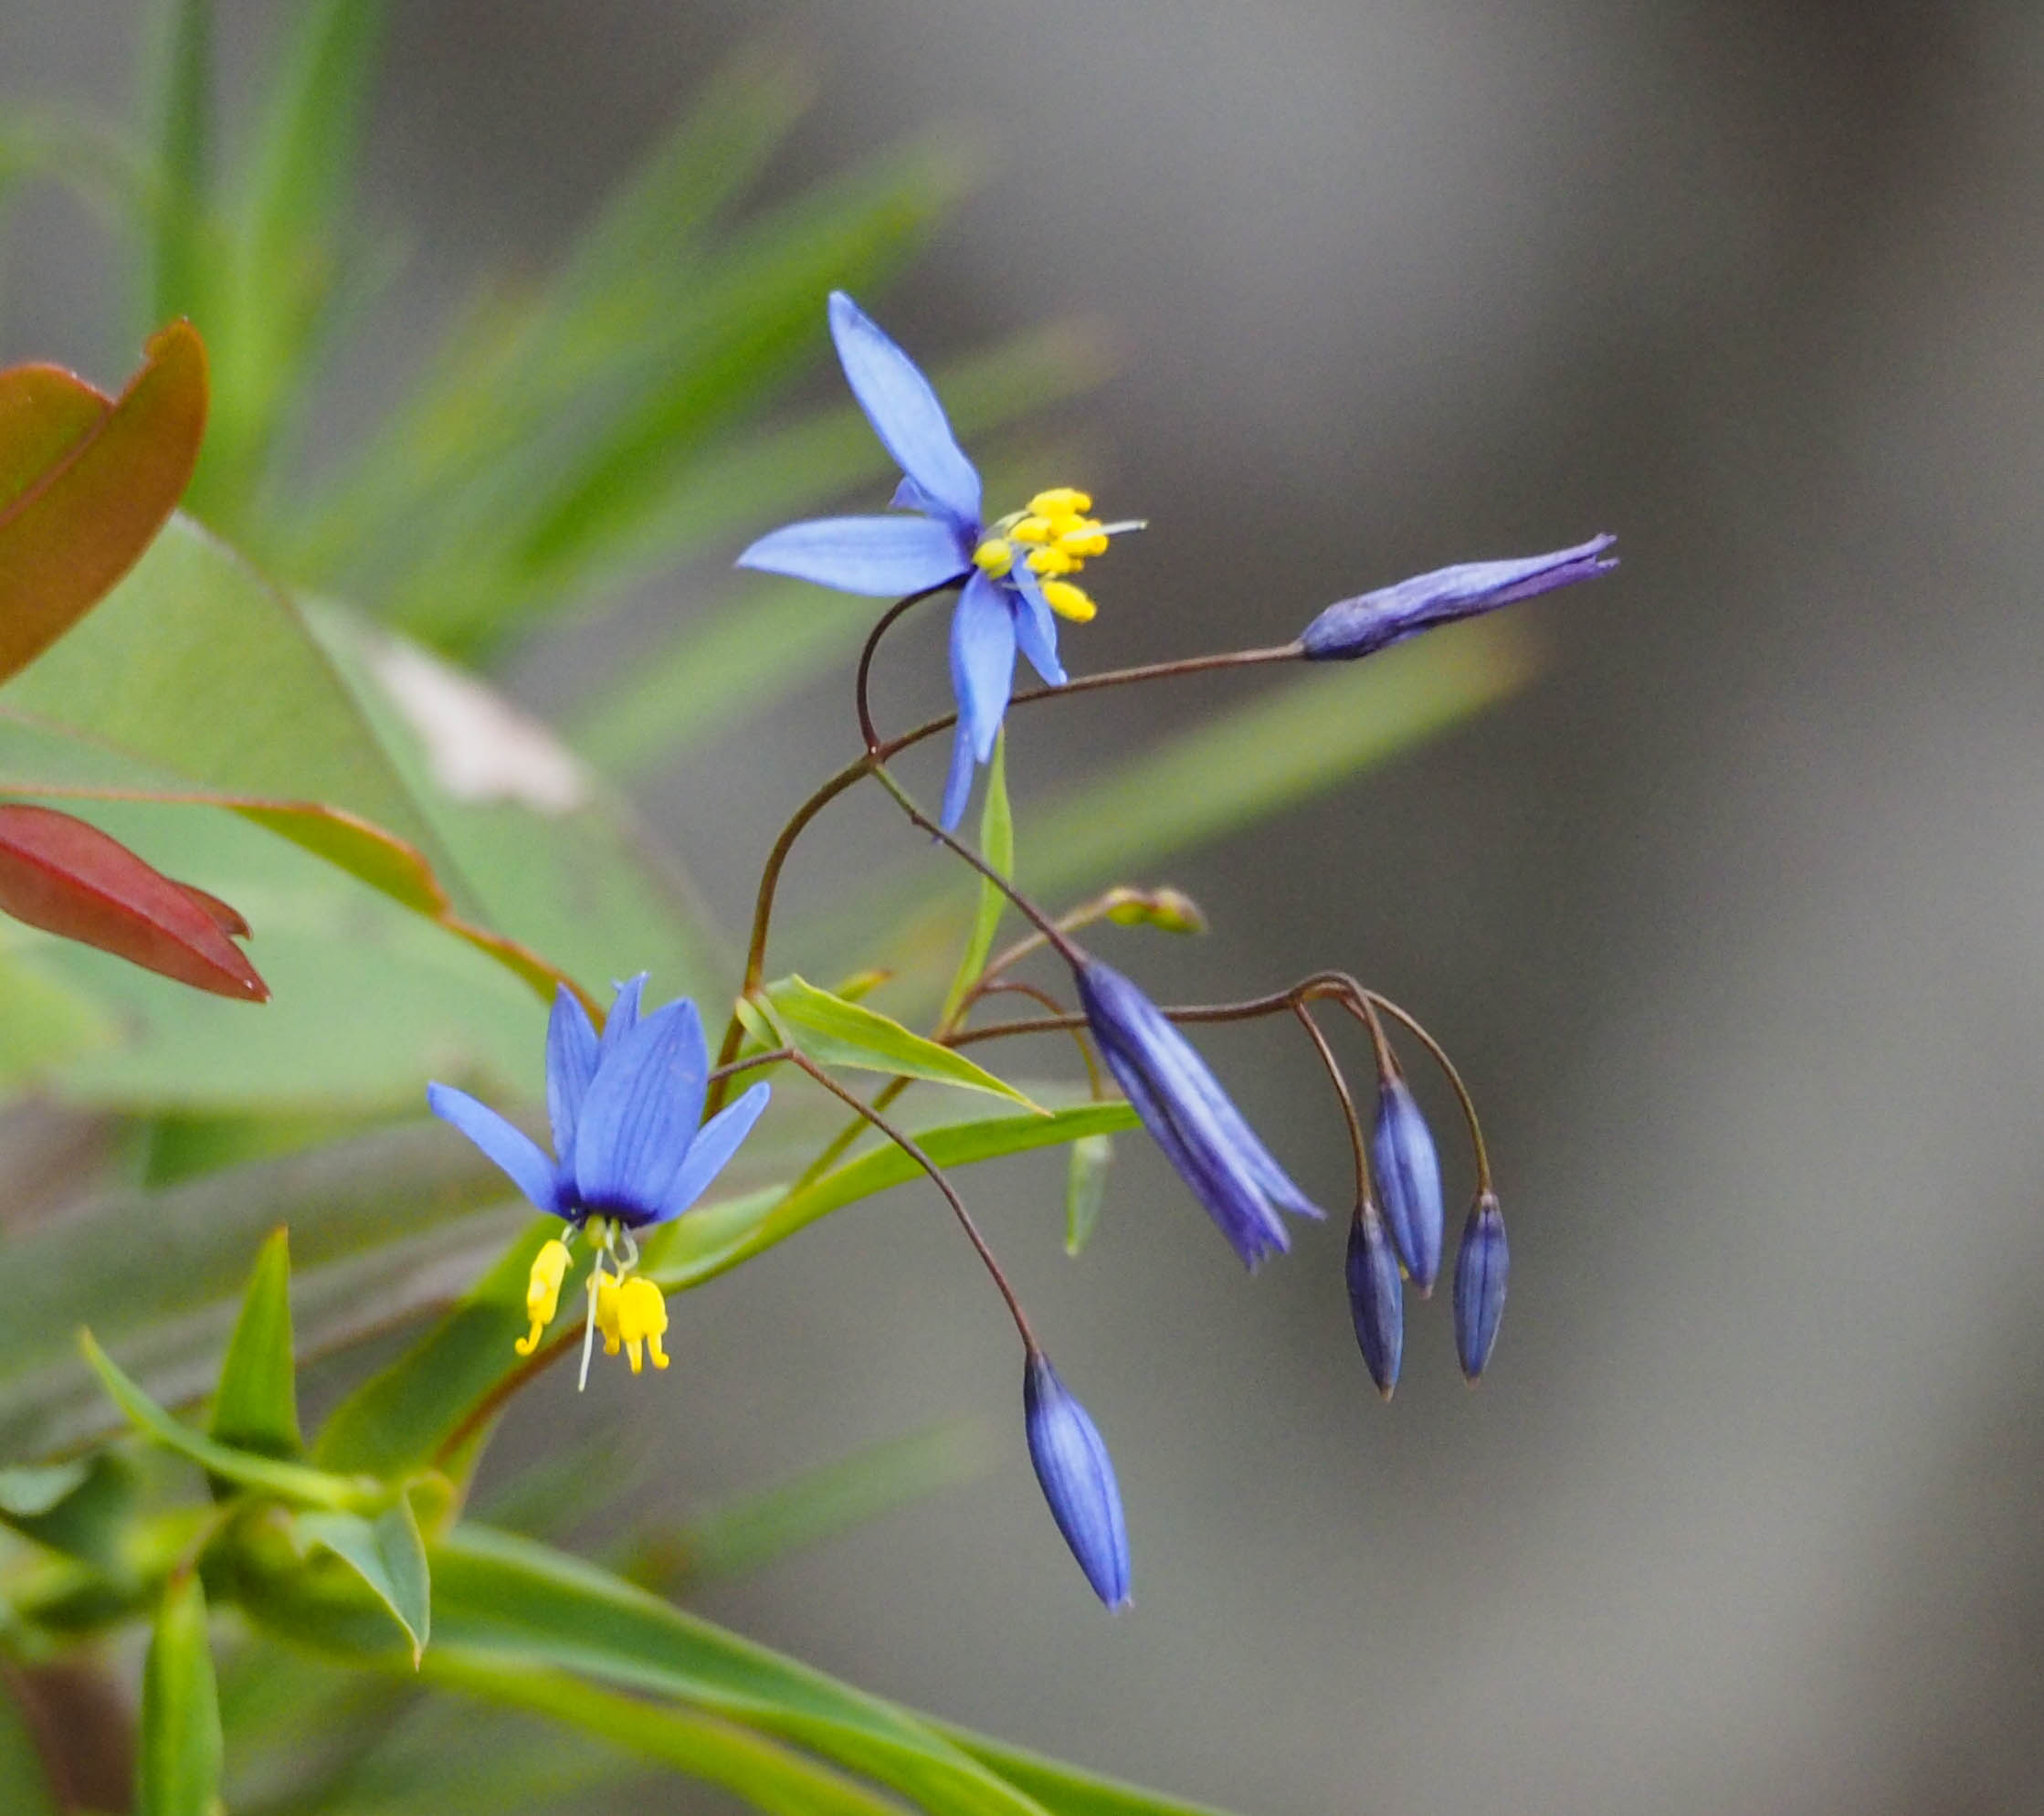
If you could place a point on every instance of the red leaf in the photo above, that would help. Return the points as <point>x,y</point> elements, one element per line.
<point>86,482</point>
<point>69,878</point>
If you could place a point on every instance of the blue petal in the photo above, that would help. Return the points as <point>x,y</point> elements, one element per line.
<point>512,1148</point>
<point>714,1145</point>
<point>982,660</point>
<point>1078,1480</point>
<point>958,784</point>
<point>880,557</point>
<point>623,1017</point>
<point>570,1063</point>
<point>1482,1266</point>
<point>905,413</point>
<point>641,1114</point>
<point>1376,1298</point>
<point>1407,1174</point>
<point>1035,626</point>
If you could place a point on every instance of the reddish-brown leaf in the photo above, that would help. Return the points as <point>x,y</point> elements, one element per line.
<point>87,482</point>
<point>69,878</point>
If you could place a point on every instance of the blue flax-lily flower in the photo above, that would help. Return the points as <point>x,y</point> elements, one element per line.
<point>1077,1476</point>
<point>1188,1115</point>
<point>630,1150</point>
<point>1361,626</point>
<point>1014,570</point>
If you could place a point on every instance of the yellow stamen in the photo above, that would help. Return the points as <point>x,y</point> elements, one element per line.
<point>1031,530</point>
<point>1060,502</point>
<point>1052,561</point>
<point>542,1293</point>
<point>610,1295</point>
<point>641,1317</point>
<point>1069,601</point>
<point>1085,537</point>
<point>993,557</point>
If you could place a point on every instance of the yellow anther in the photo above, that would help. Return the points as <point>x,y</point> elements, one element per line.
<point>641,1317</point>
<point>1060,502</point>
<point>542,1293</point>
<point>1052,561</point>
<point>994,556</point>
<point>1069,601</point>
<point>1036,529</point>
<point>1085,537</point>
<point>609,1312</point>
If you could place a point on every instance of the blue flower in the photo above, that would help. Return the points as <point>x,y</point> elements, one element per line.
<point>1363,625</point>
<point>1407,1174</point>
<point>630,1149</point>
<point>1482,1265</point>
<point>1375,1297</point>
<point>1077,1479</point>
<point>1189,1116</point>
<point>1014,570</point>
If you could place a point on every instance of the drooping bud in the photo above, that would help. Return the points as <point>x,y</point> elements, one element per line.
<point>1409,1180</point>
<point>1375,1297</point>
<point>1170,910</point>
<point>1482,1265</point>
<point>1361,626</point>
<point>1078,1480</point>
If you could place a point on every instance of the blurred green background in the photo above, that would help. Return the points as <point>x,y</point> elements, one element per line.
<point>1726,917</point>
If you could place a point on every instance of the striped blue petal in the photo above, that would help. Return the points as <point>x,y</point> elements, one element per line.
<point>1375,1297</point>
<point>1482,1266</point>
<point>1077,1476</point>
<point>905,414</point>
<point>879,557</point>
<point>510,1147</point>
<point>623,1017</point>
<point>958,783</point>
<point>640,1114</point>
<point>1035,626</point>
<point>712,1147</point>
<point>1407,1174</point>
<point>982,660</point>
<point>570,1063</point>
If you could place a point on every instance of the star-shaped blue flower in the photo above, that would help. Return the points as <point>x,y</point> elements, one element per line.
<point>1014,571</point>
<point>630,1146</point>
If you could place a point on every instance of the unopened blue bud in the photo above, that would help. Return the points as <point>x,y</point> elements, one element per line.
<point>1409,1180</point>
<point>1078,1478</point>
<point>1361,626</point>
<point>1480,1267</point>
<point>1375,1297</point>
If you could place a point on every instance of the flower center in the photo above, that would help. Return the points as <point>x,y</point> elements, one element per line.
<point>627,1308</point>
<point>1055,536</point>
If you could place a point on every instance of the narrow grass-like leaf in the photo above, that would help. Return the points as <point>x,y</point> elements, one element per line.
<point>1065,1790</point>
<point>180,269</point>
<point>256,1408</point>
<point>389,1554</point>
<point>996,845</point>
<point>833,1032</point>
<point>1093,1157</point>
<point>178,1770</point>
<point>265,1475</point>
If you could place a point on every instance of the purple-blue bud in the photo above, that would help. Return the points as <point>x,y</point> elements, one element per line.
<point>1189,1116</point>
<point>1408,1181</point>
<point>1482,1265</point>
<point>1363,625</point>
<point>1078,1478</point>
<point>1375,1297</point>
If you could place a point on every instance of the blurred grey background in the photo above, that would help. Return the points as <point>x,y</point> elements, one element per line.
<point>1732,919</point>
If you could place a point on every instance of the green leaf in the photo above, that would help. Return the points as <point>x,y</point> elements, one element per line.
<point>389,1554</point>
<point>180,265</point>
<point>178,1767</point>
<point>287,1481</point>
<point>1290,743</point>
<point>508,1602</point>
<point>256,1407</point>
<point>80,1508</point>
<point>1065,1790</point>
<point>47,1020</point>
<point>1086,1188</point>
<point>996,845</point>
<point>833,1032</point>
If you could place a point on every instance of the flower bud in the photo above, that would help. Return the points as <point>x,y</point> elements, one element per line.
<point>1361,626</point>
<point>1480,1267</point>
<point>1375,1297</point>
<point>1409,1180</point>
<point>1077,1479</point>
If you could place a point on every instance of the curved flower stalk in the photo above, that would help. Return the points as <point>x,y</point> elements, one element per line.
<point>1014,573</point>
<point>630,1150</point>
